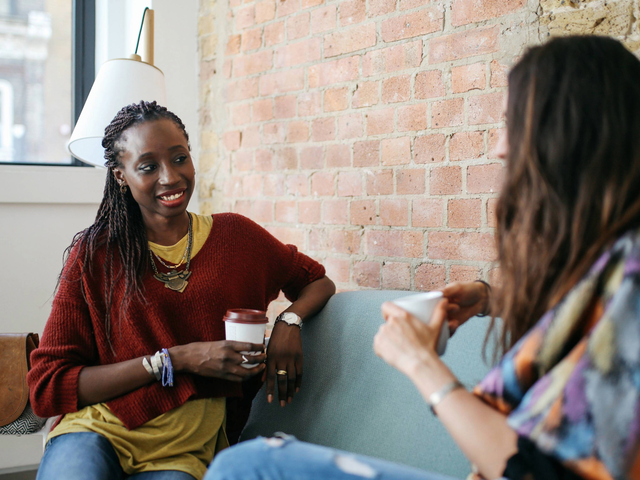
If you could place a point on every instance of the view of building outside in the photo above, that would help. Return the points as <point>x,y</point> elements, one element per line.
<point>35,80</point>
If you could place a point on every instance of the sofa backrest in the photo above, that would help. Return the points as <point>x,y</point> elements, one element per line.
<point>352,400</point>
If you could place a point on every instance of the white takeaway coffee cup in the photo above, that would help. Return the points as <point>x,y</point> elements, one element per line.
<point>421,306</point>
<point>245,325</point>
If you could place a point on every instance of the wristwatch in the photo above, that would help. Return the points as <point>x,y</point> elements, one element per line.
<point>289,318</point>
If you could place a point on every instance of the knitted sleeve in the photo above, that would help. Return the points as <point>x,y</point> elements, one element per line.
<point>67,345</point>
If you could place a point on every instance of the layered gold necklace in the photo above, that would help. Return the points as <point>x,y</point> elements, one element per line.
<point>175,280</point>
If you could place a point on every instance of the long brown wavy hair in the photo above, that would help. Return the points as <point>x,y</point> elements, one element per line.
<point>572,181</point>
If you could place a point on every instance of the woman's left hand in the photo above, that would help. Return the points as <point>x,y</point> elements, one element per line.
<point>284,353</point>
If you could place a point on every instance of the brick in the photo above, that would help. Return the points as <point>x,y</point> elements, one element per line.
<point>350,126</point>
<point>396,89</point>
<point>366,274</point>
<point>233,186</point>
<point>298,53</point>
<point>297,132</point>
<point>233,45</point>
<point>309,211</point>
<point>273,34</point>
<point>262,110</point>
<point>410,4</point>
<point>231,140</point>
<point>352,12</point>
<point>485,178</point>
<point>365,95</point>
<point>338,156</point>
<point>274,185</point>
<point>429,84</point>
<point>253,63</point>
<point>464,213</point>
<point>241,114</point>
<point>461,246</point>
<point>282,82</point>
<point>469,43</point>
<point>336,71</point>
<point>492,220</point>
<point>402,57</point>
<point>380,182</point>
<point>208,70</point>
<point>344,241</point>
<point>427,212</point>
<point>429,149</point>
<point>468,77</point>
<point>447,113</point>
<point>242,89</point>
<point>394,243</point>
<point>495,277</point>
<point>486,108</point>
<point>242,160</point>
<point>335,212</point>
<point>287,7</point>
<point>323,19</point>
<point>380,121</point>
<point>285,106</point>
<point>337,269</point>
<point>286,159</point>
<point>366,153</point>
<point>265,11</point>
<point>466,146</point>
<point>381,7</point>
<point>363,212</point>
<point>244,207</point>
<point>262,210</point>
<point>251,185</point>
<point>412,118</point>
<point>494,137</point>
<point>394,212</point>
<point>349,184</point>
<point>288,235</point>
<point>323,184</point>
<point>464,273</point>
<point>252,39</point>
<point>227,70</point>
<point>430,277</point>
<point>336,99</point>
<point>312,158</point>
<point>464,12</point>
<point>273,133</point>
<point>206,25</point>
<point>311,3</point>
<point>298,185</point>
<point>264,160</point>
<point>308,104</point>
<point>396,276</point>
<point>423,22</point>
<point>354,39</point>
<point>286,211</point>
<point>245,18</point>
<point>373,63</point>
<point>499,74</point>
<point>251,137</point>
<point>410,181</point>
<point>323,129</point>
<point>445,181</point>
<point>396,151</point>
<point>298,26</point>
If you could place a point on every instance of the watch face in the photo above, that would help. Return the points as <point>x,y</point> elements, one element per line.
<point>291,318</point>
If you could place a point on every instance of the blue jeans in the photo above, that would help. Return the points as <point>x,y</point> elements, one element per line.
<point>90,456</point>
<point>288,459</point>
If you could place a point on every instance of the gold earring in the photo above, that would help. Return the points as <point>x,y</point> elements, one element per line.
<point>123,188</point>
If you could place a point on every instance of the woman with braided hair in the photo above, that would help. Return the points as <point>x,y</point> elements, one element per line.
<point>147,277</point>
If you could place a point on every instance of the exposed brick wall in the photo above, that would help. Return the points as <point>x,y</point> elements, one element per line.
<point>362,130</point>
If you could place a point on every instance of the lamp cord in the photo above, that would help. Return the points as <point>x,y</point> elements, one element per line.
<point>141,25</point>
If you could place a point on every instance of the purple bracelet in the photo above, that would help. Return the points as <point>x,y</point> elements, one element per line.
<point>167,370</point>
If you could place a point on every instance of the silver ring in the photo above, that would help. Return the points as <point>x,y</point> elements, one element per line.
<point>245,359</point>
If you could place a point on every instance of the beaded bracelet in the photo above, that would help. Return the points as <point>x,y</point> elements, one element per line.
<point>487,309</point>
<point>167,369</point>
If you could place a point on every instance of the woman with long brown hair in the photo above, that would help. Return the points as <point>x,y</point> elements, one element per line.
<point>563,402</point>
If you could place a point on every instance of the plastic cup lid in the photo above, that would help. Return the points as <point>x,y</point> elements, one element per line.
<point>245,315</point>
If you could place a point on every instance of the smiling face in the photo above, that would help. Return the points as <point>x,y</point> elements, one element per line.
<point>156,165</point>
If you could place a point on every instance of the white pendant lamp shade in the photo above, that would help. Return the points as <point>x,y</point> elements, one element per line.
<point>120,82</point>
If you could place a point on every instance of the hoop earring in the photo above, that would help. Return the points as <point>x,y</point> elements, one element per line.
<point>123,188</point>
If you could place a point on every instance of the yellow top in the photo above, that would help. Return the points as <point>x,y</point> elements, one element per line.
<point>184,439</point>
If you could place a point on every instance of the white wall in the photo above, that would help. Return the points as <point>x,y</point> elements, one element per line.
<point>41,208</point>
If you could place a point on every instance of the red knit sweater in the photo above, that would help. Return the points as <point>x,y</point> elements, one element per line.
<point>240,265</point>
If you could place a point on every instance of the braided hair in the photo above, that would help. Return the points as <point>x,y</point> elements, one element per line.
<point>119,225</point>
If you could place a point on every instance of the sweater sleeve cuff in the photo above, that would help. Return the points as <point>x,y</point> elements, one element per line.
<point>304,270</point>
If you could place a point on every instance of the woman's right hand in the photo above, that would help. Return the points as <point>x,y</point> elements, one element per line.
<point>220,359</point>
<point>466,299</point>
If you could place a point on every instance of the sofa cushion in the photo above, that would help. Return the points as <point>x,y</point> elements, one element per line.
<point>352,400</point>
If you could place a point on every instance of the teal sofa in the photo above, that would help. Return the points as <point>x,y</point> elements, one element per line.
<point>352,400</point>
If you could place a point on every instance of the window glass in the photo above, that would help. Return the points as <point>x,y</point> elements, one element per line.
<point>35,80</point>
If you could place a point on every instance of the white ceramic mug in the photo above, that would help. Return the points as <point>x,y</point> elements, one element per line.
<point>421,306</point>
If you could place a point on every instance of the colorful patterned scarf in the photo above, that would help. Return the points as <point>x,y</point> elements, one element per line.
<point>571,385</point>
